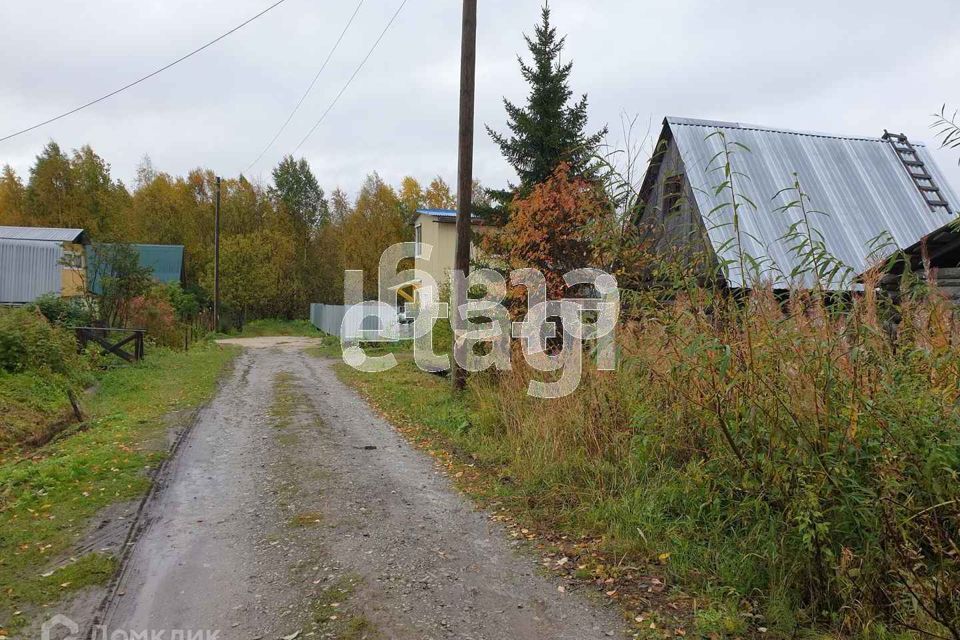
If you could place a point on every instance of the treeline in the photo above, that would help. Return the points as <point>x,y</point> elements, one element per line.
<point>283,245</point>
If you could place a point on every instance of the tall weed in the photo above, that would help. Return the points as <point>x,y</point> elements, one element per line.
<point>820,477</point>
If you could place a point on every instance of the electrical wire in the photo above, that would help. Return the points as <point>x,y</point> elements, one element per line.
<point>310,88</point>
<point>352,77</point>
<point>146,77</point>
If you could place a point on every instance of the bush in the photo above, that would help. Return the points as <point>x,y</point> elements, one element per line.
<point>39,366</point>
<point>116,270</point>
<point>185,303</point>
<point>66,312</point>
<point>794,455</point>
<point>29,342</point>
<point>154,313</point>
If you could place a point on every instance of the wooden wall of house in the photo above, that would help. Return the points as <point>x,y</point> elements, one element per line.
<point>678,233</point>
<point>942,250</point>
<point>947,281</point>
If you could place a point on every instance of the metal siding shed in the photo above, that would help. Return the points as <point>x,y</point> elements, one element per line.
<point>29,269</point>
<point>859,185</point>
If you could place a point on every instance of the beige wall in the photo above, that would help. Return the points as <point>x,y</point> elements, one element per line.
<point>73,279</point>
<point>442,236</point>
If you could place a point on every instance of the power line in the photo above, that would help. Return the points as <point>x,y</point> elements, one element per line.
<point>355,72</point>
<point>146,77</point>
<point>310,88</point>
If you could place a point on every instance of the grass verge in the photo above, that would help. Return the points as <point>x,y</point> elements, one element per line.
<point>34,405</point>
<point>48,498</point>
<point>260,328</point>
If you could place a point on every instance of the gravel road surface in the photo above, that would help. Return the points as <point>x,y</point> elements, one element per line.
<point>292,510</point>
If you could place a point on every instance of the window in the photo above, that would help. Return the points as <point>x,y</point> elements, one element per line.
<point>417,240</point>
<point>672,193</point>
<point>72,260</point>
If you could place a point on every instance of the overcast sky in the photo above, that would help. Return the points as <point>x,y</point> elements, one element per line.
<point>838,66</point>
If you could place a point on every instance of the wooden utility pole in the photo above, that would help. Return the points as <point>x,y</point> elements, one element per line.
<point>468,65</point>
<point>216,263</point>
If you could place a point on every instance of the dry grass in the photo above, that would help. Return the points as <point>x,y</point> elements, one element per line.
<point>794,457</point>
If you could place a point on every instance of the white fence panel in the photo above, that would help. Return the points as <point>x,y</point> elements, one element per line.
<point>376,320</point>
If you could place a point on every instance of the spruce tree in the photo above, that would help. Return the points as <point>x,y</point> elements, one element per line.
<point>548,130</point>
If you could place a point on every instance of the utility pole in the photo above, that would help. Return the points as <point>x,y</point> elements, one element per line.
<point>468,66</point>
<point>216,263</point>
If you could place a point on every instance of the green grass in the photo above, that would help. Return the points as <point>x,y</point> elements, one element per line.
<point>48,499</point>
<point>31,403</point>
<point>286,399</point>
<point>87,570</point>
<point>332,615</point>
<point>330,347</point>
<point>720,622</point>
<point>272,327</point>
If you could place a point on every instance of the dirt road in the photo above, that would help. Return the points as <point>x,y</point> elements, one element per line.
<point>292,510</point>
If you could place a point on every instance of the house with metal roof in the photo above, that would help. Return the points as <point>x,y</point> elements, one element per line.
<point>165,262</point>
<point>435,246</point>
<point>865,198</point>
<point>35,261</point>
<point>436,229</point>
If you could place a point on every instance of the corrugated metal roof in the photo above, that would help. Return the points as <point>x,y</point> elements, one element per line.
<point>443,213</point>
<point>29,269</point>
<point>859,183</point>
<point>446,215</point>
<point>47,234</point>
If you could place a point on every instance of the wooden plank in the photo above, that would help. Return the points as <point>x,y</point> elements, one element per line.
<point>85,335</point>
<point>114,349</point>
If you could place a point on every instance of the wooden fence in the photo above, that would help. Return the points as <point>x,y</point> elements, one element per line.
<point>113,341</point>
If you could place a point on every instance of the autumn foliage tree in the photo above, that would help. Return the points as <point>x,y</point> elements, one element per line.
<point>376,222</point>
<point>284,245</point>
<point>12,197</point>
<point>549,229</point>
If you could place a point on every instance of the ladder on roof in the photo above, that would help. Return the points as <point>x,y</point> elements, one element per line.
<point>918,171</point>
